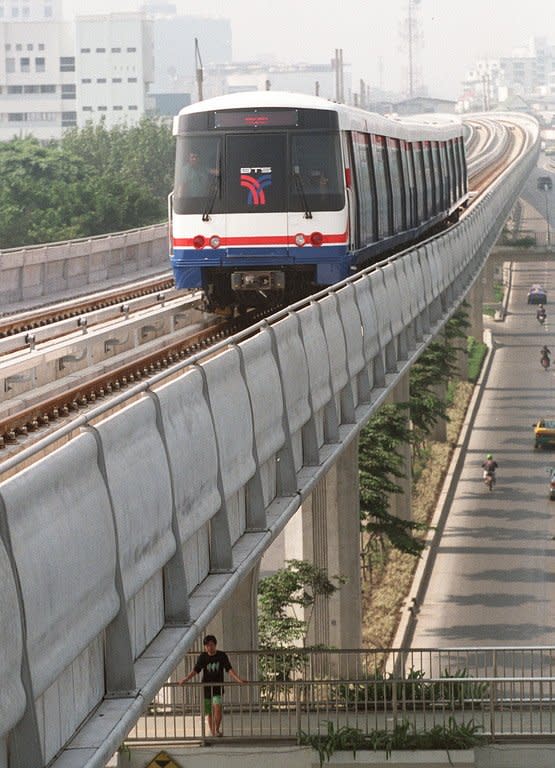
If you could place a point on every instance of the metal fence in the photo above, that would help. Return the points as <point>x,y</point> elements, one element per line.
<point>501,691</point>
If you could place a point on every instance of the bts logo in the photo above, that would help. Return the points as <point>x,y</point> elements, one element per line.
<point>256,180</point>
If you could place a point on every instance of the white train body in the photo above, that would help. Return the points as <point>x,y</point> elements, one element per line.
<point>277,194</point>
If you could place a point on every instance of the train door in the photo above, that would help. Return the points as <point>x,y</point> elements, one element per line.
<point>365,190</point>
<point>255,183</point>
<point>397,185</point>
<point>383,186</point>
<point>421,190</point>
<point>446,176</point>
<point>429,179</point>
<point>453,179</point>
<point>437,177</point>
<point>410,184</point>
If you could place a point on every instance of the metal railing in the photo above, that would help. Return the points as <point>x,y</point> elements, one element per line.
<point>503,692</point>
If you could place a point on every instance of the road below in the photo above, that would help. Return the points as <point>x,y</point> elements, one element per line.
<point>493,578</point>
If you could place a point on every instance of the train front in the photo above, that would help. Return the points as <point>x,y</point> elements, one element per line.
<point>259,210</point>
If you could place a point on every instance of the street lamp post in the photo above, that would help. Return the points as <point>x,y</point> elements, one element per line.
<point>548,239</point>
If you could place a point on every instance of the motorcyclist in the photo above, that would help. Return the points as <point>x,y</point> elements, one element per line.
<point>545,353</point>
<point>541,314</point>
<point>489,466</point>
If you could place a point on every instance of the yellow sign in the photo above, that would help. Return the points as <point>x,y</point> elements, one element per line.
<point>163,760</point>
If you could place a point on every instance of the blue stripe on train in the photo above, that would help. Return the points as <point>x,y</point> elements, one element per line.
<point>332,262</point>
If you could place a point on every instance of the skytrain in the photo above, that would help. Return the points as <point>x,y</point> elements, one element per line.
<point>279,194</point>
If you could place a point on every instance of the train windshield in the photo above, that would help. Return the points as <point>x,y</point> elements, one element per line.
<point>266,172</point>
<point>198,180</point>
<point>315,174</point>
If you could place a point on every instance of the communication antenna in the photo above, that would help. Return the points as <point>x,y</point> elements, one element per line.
<point>199,71</point>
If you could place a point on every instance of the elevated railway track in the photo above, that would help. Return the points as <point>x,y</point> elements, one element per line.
<point>58,360</point>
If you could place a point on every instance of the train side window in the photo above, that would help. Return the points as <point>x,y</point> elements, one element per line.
<point>463,166</point>
<point>428,179</point>
<point>437,175</point>
<point>452,171</point>
<point>455,176</point>
<point>461,159</point>
<point>397,184</point>
<point>422,202</point>
<point>365,191</point>
<point>445,195</point>
<point>410,189</point>
<point>381,172</point>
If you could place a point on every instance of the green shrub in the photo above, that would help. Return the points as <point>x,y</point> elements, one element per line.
<point>454,735</point>
<point>476,354</point>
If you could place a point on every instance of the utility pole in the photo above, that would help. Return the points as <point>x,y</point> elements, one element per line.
<point>337,63</point>
<point>412,37</point>
<point>199,71</point>
<point>548,224</point>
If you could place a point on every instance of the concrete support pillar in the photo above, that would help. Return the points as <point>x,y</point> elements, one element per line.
<point>343,520</point>
<point>439,430</point>
<point>400,504</point>
<point>331,533</point>
<point>236,625</point>
<point>475,299</point>
<point>326,532</point>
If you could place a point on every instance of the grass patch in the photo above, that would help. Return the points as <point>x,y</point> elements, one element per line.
<point>476,354</point>
<point>498,291</point>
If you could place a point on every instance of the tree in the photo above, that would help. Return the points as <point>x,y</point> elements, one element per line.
<point>294,587</point>
<point>434,368</point>
<point>380,463</point>
<point>91,182</point>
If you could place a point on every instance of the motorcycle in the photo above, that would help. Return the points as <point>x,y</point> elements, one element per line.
<point>545,361</point>
<point>489,479</point>
<point>541,318</point>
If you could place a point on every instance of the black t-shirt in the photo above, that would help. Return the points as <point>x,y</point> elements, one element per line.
<point>212,668</point>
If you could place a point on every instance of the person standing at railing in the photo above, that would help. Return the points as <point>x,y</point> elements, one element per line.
<point>212,664</point>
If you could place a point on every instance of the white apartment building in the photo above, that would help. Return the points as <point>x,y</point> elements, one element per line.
<point>114,66</point>
<point>30,10</point>
<point>37,78</point>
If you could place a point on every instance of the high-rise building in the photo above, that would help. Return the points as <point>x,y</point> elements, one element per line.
<point>37,79</point>
<point>114,67</point>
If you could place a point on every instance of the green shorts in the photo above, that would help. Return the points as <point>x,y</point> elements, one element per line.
<point>208,703</point>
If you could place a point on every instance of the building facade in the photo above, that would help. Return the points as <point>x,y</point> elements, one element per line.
<point>114,68</point>
<point>37,79</point>
<point>30,10</point>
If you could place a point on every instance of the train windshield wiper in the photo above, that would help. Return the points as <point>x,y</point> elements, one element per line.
<point>300,189</point>
<point>215,192</point>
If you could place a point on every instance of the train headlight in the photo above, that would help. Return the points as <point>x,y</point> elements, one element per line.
<point>316,238</point>
<point>215,241</point>
<point>300,239</point>
<point>198,241</point>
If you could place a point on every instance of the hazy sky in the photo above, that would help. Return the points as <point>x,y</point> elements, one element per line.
<point>453,34</point>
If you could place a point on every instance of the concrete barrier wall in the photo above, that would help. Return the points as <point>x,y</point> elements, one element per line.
<point>46,270</point>
<point>123,544</point>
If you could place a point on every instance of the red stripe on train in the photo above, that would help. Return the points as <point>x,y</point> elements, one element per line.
<point>261,240</point>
